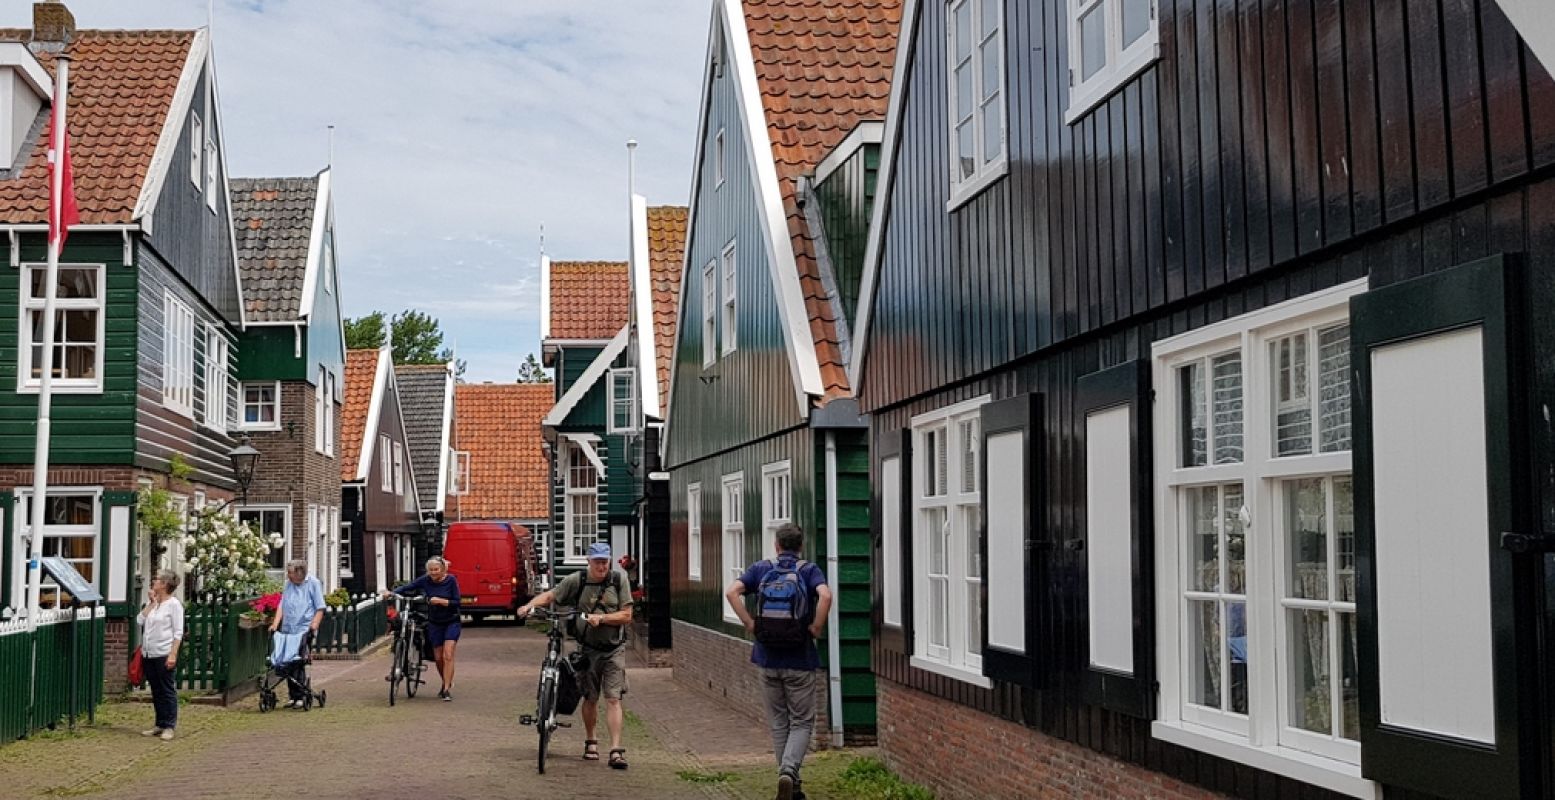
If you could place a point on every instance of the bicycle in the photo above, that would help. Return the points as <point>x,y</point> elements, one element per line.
<point>405,662</point>
<point>544,718</point>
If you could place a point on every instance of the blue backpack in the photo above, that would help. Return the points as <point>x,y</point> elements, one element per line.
<point>783,606</point>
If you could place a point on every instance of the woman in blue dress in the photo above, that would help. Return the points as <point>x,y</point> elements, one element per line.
<point>441,591</point>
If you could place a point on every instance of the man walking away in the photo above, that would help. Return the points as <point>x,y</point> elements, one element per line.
<point>792,601</point>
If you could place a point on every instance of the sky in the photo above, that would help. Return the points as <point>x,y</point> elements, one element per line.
<point>461,128</point>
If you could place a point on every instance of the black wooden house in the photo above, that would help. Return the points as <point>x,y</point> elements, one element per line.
<point>1206,351</point>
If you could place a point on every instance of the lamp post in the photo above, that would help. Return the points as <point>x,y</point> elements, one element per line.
<point>244,461</point>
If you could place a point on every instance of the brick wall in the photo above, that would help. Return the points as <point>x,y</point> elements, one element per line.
<point>113,479</point>
<point>290,470</point>
<point>720,667</point>
<point>116,655</point>
<point>963,755</point>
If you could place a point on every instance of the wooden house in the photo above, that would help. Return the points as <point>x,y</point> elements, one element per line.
<point>380,513</point>
<point>149,296</point>
<point>1205,352</point>
<point>293,362</point>
<point>427,405</point>
<point>763,429</point>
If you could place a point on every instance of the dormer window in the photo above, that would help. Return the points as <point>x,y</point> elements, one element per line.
<point>25,88</point>
<point>196,151</point>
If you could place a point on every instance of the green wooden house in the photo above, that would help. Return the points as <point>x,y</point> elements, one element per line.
<point>762,427</point>
<point>149,297</point>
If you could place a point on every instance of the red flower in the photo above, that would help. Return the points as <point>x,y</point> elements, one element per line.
<point>267,604</point>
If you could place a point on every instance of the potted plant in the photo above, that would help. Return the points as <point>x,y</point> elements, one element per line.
<point>260,611</point>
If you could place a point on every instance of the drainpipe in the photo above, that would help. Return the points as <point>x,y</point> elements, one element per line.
<point>833,635</point>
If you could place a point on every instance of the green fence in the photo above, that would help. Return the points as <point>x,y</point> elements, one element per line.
<point>218,653</point>
<point>25,707</point>
<point>352,627</point>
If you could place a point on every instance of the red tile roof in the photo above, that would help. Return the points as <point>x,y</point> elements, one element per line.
<point>823,66</point>
<point>121,86</point>
<point>361,373</point>
<point>589,299</point>
<point>666,252</point>
<point>499,426</point>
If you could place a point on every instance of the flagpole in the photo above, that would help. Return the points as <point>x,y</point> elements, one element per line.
<point>40,463</point>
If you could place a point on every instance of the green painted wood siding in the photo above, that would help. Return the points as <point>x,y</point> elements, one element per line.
<point>854,579</point>
<point>269,354</point>
<point>324,339</point>
<point>87,429</point>
<point>589,413</point>
<point>749,393</point>
<point>847,199</point>
<point>558,555</point>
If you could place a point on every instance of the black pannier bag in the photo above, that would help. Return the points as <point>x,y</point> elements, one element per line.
<point>569,691</point>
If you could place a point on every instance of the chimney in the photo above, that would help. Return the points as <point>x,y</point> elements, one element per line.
<point>53,26</point>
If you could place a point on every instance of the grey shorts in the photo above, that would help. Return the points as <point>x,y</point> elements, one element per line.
<point>606,675</point>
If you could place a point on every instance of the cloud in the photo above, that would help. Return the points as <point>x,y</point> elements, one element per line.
<point>462,127</point>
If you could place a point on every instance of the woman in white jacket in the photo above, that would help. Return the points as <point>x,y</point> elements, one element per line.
<point>161,623</point>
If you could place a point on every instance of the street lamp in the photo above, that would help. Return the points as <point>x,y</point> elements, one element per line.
<point>244,460</point>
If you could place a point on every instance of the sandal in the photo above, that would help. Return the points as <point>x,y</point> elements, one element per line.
<point>618,758</point>
<point>591,750</point>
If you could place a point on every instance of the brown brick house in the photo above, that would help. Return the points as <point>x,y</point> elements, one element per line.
<point>380,513</point>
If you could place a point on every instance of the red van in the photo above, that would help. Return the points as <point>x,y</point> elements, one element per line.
<point>494,563</point>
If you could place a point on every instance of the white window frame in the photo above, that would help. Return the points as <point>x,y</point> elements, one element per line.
<point>694,532</point>
<point>22,523</point>
<point>196,151</point>
<point>988,170</point>
<point>460,462</point>
<point>720,148</point>
<point>623,378</point>
<point>576,551</point>
<point>1262,737</point>
<point>177,356</point>
<point>777,496</point>
<point>1123,63</point>
<point>344,527</point>
<point>728,310</point>
<point>399,469</point>
<point>710,314</point>
<point>212,190</point>
<point>218,375</point>
<point>244,405</point>
<point>955,657</point>
<point>285,510</point>
<point>328,419</point>
<point>732,553</point>
<point>385,464</point>
<point>25,383</point>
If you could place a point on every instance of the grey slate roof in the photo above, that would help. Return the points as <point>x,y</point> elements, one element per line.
<point>423,391</point>
<point>273,218</point>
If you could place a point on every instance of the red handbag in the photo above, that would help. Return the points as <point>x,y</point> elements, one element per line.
<point>137,670</point>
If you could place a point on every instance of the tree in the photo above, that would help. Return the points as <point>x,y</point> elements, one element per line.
<point>418,338</point>
<point>532,372</point>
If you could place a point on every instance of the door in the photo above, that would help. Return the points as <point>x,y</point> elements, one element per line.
<point>1440,430</point>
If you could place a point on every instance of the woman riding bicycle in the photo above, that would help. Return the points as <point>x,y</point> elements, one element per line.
<point>441,591</point>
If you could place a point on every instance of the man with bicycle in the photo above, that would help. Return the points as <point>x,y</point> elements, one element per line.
<point>603,596</point>
<point>792,601</point>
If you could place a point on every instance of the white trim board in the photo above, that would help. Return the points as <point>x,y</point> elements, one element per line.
<point>17,56</point>
<point>445,446</point>
<point>596,368</point>
<point>381,375</point>
<point>642,304</point>
<point>586,442</point>
<point>321,218</point>
<point>891,140</point>
<point>866,132</point>
<point>545,296</point>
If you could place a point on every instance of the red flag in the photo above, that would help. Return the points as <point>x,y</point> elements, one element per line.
<point>62,208</point>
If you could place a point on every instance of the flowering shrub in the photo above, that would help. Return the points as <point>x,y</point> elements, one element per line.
<point>226,556</point>
<point>262,608</point>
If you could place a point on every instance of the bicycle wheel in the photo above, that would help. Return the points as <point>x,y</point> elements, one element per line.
<point>396,657</point>
<point>413,667</point>
<point>543,714</point>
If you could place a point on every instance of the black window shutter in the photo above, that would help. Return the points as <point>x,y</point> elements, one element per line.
<point>895,638</point>
<point>1126,385</point>
<point>1020,504</point>
<point>1485,296</point>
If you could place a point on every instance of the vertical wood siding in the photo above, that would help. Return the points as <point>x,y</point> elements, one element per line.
<point>87,428</point>
<point>847,197</point>
<point>749,393</point>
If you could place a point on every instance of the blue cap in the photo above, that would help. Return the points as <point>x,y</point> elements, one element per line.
<point>599,550</point>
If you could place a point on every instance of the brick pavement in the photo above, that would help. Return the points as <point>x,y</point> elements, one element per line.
<point>359,747</point>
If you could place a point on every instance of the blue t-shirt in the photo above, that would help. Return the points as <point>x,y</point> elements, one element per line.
<point>805,656</point>
<point>299,602</point>
<point>448,589</point>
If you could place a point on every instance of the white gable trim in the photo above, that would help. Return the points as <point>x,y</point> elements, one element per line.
<point>642,305</point>
<point>892,140</point>
<point>311,268</point>
<point>16,54</point>
<point>1536,25</point>
<point>866,132</point>
<point>214,118</point>
<point>545,297</point>
<point>445,445</point>
<point>590,376</point>
<point>585,442</point>
<point>381,376</point>
<point>173,125</point>
<point>774,222</point>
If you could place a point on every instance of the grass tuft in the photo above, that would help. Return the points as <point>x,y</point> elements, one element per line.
<point>692,776</point>
<point>869,779</point>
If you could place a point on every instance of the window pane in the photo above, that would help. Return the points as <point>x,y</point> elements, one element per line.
<point>75,509</point>
<point>77,362</point>
<point>1292,405</point>
<point>939,613</point>
<point>1306,532</point>
<point>1333,387</point>
<point>1236,540</point>
<point>993,79</point>
<point>1203,509</point>
<point>966,149</point>
<point>966,93</point>
<point>1227,381</point>
<point>973,516</point>
<point>1349,701</point>
<point>1093,41</point>
<point>1136,20</point>
<point>934,529</point>
<point>963,30</point>
<point>1311,704</point>
<point>77,326</point>
<point>73,283</point>
<point>974,618</point>
<point>1344,540</point>
<point>993,129</point>
<point>1195,434</point>
<point>1236,649</point>
<point>992,16</point>
<point>68,547</point>
<point>970,433</point>
<point>1204,653</point>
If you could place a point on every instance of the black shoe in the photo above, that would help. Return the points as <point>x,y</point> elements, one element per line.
<point>447,696</point>
<point>785,787</point>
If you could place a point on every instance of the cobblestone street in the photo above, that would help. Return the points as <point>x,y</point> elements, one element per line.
<point>360,747</point>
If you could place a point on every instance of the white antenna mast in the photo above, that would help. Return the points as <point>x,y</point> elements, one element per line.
<point>332,147</point>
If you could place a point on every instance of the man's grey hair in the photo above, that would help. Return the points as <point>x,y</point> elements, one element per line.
<point>297,566</point>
